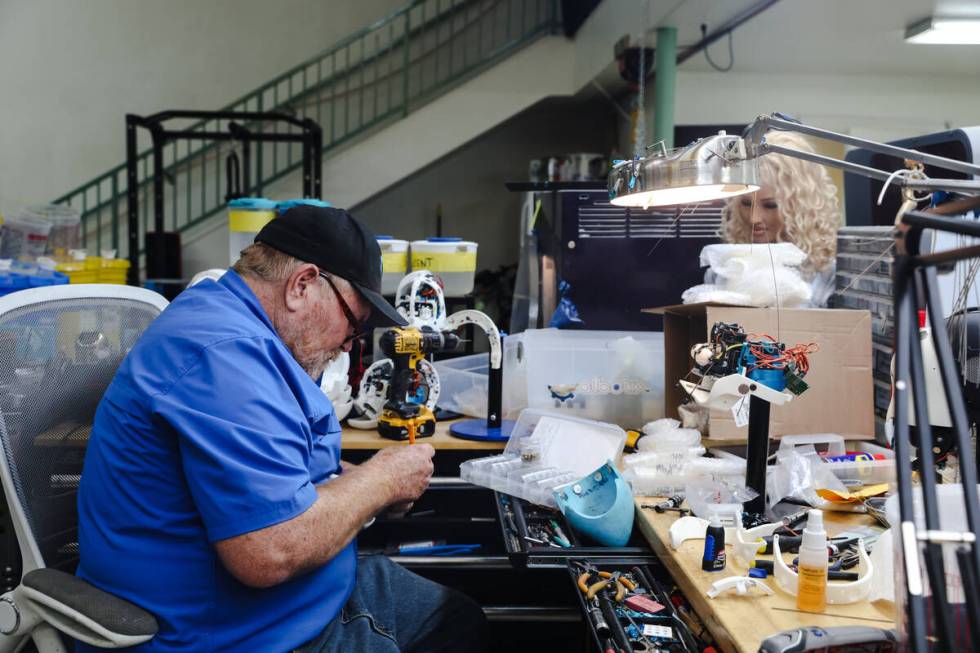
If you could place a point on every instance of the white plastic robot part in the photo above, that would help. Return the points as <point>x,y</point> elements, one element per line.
<point>213,273</point>
<point>686,528</point>
<point>746,542</point>
<point>419,311</point>
<point>374,391</point>
<point>483,321</point>
<point>741,585</point>
<point>722,393</point>
<point>702,354</point>
<point>693,528</point>
<point>837,593</point>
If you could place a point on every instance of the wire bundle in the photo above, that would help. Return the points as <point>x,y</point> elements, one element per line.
<point>769,356</point>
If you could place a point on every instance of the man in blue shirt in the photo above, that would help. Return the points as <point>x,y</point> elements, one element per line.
<point>213,494</point>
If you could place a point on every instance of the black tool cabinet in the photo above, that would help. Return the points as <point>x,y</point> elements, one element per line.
<point>522,605</point>
<point>517,514</point>
<point>527,590</point>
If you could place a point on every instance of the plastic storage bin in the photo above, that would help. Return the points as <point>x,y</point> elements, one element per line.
<point>246,217</point>
<point>394,263</point>
<point>464,384</point>
<point>611,376</point>
<point>850,472</point>
<point>114,270</point>
<point>66,229</point>
<point>866,472</point>
<point>21,277</point>
<point>81,268</point>
<point>545,451</point>
<point>24,236</point>
<point>452,259</point>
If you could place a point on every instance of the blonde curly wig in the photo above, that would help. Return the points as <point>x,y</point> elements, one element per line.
<point>807,200</point>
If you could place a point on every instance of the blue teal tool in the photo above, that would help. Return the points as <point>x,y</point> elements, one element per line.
<point>599,505</point>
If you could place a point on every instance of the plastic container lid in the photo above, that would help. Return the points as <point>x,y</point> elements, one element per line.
<point>444,239</point>
<point>27,218</point>
<point>285,205</point>
<point>568,443</point>
<point>384,238</point>
<point>253,204</point>
<point>57,214</point>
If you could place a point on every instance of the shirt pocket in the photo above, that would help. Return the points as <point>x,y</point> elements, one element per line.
<point>325,453</point>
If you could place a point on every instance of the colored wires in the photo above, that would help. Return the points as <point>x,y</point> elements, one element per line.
<point>768,355</point>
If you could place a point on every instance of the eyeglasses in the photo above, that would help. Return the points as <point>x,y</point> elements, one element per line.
<point>355,324</point>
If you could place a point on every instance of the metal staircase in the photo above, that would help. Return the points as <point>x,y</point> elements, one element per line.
<point>370,79</point>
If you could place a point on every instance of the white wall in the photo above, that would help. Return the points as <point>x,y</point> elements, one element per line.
<point>72,70</point>
<point>874,107</point>
<point>469,184</point>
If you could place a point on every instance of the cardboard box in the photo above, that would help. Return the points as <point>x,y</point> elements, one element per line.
<point>841,395</point>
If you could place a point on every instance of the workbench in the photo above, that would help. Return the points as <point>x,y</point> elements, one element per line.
<point>740,623</point>
<point>357,445</point>
<point>351,439</point>
<point>358,439</point>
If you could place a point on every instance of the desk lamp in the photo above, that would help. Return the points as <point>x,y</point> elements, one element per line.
<point>725,166</point>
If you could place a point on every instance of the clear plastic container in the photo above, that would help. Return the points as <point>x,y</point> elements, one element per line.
<point>246,217</point>
<point>394,263</point>
<point>24,236</point>
<point>464,385</point>
<point>850,472</point>
<point>66,227</point>
<point>545,451</point>
<point>610,376</point>
<point>451,259</point>
<point>866,472</point>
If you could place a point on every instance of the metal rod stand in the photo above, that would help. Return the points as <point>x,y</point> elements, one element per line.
<point>757,454</point>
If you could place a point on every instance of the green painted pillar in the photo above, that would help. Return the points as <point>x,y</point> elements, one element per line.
<point>664,86</point>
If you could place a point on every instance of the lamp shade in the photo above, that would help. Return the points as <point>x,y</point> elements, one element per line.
<point>709,169</point>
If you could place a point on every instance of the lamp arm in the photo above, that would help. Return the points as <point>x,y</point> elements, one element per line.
<point>951,185</point>
<point>755,133</point>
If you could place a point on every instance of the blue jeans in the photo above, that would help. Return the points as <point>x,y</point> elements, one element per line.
<point>393,610</point>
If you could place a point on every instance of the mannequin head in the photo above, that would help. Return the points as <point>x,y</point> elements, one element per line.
<point>796,203</point>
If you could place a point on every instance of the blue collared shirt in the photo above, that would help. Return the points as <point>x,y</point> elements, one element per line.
<point>209,430</point>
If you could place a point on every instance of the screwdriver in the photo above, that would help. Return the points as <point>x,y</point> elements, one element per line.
<point>831,574</point>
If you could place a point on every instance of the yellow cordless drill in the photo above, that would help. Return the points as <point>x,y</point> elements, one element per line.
<point>402,418</point>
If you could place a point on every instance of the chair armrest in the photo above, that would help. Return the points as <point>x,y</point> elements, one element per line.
<point>83,611</point>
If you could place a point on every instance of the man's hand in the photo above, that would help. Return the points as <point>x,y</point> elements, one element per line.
<point>404,472</point>
<point>394,477</point>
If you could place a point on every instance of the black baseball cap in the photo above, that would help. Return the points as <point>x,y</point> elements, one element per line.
<point>331,239</point>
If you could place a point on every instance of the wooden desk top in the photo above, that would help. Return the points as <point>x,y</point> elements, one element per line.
<point>740,623</point>
<point>353,439</point>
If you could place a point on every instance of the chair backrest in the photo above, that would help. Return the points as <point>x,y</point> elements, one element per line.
<point>59,350</point>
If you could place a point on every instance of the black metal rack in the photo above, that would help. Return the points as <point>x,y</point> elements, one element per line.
<point>310,137</point>
<point>916,286</point>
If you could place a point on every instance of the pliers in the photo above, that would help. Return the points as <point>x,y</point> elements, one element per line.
<point>622,583</point>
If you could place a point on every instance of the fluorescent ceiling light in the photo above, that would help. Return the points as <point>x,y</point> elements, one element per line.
<point>945,31</point>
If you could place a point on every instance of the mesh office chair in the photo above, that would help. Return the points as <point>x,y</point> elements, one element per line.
<point>59,350</point>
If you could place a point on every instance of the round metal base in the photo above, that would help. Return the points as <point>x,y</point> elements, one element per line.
<point>476,429</point>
